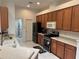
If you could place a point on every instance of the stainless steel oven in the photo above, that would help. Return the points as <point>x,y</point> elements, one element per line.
<point>47,43</point>
<point>47,39</point>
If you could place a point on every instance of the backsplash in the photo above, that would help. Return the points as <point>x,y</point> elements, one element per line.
<point>70,34</point>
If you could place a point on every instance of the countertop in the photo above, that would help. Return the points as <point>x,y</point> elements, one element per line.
<point>68,39</point>
<point>40,33</point>
<point>15,53</point>
<point>47,55</point>
<point>70,34</point>
<point>7,42</point>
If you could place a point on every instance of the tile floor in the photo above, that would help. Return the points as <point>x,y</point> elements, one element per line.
<point>45,55</point>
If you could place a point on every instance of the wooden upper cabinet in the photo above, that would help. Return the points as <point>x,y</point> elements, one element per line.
<point>38,18</point>
<point>4,18</point>
<point>67,19</point>
<point>50,16</point>
<point>46,16</point>
<point>75,18</point>
<point>42,20</point>
<point>54,16</point>
<point>0,20</point>
<point>45,20</point>
<point>59,19</point>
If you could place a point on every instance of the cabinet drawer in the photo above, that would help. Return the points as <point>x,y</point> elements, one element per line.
<point>60,43</point>
<point>70,47</point>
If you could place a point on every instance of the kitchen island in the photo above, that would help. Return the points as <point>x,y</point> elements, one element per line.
<point>18,53</point>
<point>11,49</point>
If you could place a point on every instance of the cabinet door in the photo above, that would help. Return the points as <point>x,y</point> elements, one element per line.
<point>54,16</point>
<point>40,39</point>
<point>53,46</point>
<point>45,21</point>
<point>50,16</point>
<point>4,18</point>
<point>75,18</point>
<point>0,21</point>
<point>70,52</point>
<point>60,50</point>
<point>59,18</point>
<point>37,18</point>
<point>67,19</point>
<point>42,20</point>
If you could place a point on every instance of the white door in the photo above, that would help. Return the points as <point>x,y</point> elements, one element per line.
<point>28,30</point>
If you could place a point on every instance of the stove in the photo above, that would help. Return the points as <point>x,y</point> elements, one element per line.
<point>47,39</point>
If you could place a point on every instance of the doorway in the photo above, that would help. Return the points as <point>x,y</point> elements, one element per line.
<point>19,28</point>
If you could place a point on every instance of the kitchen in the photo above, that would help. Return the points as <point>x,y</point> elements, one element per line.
<point>67,27</point>
<point>66,46</point>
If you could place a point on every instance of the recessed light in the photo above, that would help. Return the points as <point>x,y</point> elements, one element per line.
<point>38,3</point>
<point>28,6</point>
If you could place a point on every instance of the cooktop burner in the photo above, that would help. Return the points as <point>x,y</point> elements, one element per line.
<point>53,34</point>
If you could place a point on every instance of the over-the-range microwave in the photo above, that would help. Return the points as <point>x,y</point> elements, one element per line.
<point>51,24</point>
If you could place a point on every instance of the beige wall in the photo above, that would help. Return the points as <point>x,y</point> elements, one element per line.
<point>0,2</point>
<point>53,8</point>
<point>24,13</point>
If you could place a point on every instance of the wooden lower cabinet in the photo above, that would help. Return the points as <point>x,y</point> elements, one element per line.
<point>53,46</point>
<point>40,39</point>
<point>62,50</point>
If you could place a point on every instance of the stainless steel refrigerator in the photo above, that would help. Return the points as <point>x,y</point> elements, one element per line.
<point>36,29</point>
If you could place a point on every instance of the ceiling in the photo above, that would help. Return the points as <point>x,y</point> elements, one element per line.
<point>44,4</point>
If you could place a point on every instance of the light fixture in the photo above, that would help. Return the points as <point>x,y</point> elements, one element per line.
<point>28,5</point>
<point>38,3</point>
<point>32,4</point>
